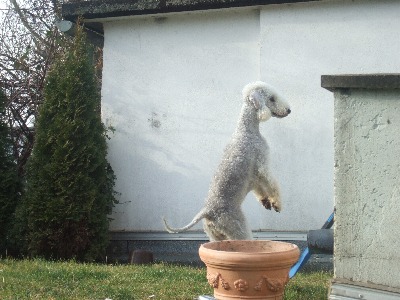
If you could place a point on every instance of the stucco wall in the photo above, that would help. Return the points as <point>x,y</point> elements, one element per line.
<point>172,90</point>
<point>367,191</point>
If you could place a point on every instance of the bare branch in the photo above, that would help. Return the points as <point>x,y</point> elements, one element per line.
<point>23,66</point>
<point>37,38</point>
<point>9,71</point>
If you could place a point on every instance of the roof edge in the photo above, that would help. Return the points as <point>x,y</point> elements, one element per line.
<point>101,9</point>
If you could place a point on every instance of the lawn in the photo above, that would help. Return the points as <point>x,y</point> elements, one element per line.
<point>40,279</point>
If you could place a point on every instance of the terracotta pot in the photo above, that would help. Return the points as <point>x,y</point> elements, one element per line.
<point>248,269</point>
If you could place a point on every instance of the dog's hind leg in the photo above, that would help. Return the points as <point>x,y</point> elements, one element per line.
<point>212,232</point>
<point>230,225</point>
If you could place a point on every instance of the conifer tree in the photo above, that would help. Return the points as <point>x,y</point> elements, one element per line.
<point>70,185</point>
<point>9,183</point>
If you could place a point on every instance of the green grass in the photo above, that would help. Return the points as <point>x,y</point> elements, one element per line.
<point>309,286</point>
<point>40,279</point>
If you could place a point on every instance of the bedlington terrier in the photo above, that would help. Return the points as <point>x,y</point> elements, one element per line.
<point>244,168</point>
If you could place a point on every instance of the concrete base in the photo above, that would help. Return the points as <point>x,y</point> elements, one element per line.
<point>187,252</point>
<point>345,291</point>
<point>181,248</point>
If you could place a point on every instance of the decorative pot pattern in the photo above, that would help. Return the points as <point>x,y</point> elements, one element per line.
<point>214,280</point>
<point>248,269</point>
<point>274,285</point>
<point>241,285</point>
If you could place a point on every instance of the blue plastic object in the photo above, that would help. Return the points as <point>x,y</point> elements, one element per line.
<point>305,255</point>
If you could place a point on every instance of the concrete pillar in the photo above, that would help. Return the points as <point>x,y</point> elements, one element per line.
<point>367,186</point>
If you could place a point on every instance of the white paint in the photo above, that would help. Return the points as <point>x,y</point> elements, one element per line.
<point>184,75</point>
<point>171,89</point>
<point>299,44</point>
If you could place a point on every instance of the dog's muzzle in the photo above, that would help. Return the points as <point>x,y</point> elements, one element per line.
<point>288,111</point>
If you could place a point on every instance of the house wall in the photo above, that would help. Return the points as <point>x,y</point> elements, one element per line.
<point>172,91</point>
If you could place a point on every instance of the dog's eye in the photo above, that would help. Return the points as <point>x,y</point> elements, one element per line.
<point>272,99</point>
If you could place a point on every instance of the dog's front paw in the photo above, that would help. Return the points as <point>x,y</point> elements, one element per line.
<point>266,203</point>
<point>271,203</point>
<point>276,205</point>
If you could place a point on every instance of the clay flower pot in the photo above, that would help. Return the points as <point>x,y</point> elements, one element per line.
<point>248,269</point>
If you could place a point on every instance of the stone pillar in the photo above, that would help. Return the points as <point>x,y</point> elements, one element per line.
<point>367,186</point>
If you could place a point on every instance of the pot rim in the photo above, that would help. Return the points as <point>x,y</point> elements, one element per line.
<point>260,259</point>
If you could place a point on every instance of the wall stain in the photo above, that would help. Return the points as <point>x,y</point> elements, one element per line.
<point>154,121</point>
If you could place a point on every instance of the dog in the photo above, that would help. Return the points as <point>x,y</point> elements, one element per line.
<point>244,168</point>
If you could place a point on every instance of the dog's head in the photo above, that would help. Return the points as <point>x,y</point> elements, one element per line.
<point>267,102</point>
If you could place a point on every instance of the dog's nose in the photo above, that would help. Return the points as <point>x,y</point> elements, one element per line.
<point>288,110</point>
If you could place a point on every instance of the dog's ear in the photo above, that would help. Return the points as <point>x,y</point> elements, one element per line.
<point>255,98</point>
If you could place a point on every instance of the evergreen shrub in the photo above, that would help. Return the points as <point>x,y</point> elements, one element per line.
<point>9,182</point>
<point>70,184</point>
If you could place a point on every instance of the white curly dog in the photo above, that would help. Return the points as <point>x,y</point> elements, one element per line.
<point>244,168</point>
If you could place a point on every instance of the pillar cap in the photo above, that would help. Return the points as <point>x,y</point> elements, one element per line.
<point>361,81</point>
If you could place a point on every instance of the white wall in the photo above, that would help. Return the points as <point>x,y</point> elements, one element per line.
<point>172,90</point>
<point>299,44</point>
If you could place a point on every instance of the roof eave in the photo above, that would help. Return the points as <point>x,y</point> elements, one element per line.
<point>103,9</point>
<point>99,10</point>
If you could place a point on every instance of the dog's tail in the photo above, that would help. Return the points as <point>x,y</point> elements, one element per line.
<point>195,220</point>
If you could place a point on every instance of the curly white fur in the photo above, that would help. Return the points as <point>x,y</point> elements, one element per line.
<point>244,168</point>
